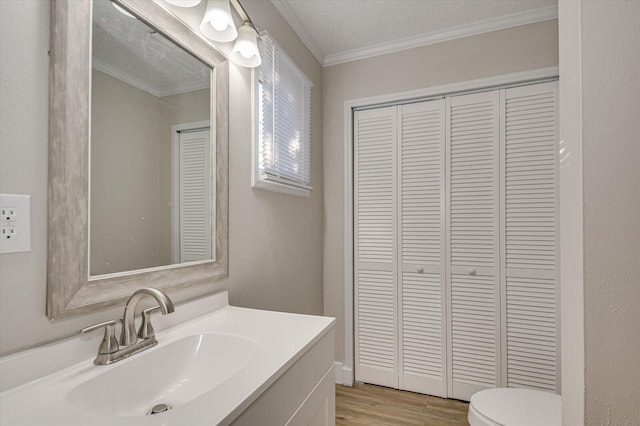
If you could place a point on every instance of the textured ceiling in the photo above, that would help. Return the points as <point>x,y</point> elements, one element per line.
<point>339,26</point>
<point>131,51</point>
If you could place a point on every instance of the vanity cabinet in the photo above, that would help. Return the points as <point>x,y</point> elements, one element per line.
<point>303,395</point>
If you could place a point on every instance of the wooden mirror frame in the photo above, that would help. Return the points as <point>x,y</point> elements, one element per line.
<point>70,290</point>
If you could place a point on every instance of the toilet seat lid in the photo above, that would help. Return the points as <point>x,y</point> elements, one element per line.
<point>518,407</point>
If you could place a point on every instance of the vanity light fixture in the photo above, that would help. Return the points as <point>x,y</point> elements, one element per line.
<point>245,51</point>
<point>217,24</point>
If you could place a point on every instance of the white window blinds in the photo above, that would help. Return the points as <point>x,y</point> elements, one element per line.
<point>284,119</point>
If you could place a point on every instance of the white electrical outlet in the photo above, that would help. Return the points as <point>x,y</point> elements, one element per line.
<point>15,223</point>
<point>8,214</point>
<point>9,232</point>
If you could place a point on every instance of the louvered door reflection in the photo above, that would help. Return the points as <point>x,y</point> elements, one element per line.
<point>421,255</point>
<point>473,200</point>
<point>375,230</point>
<point>530,236</point>
<point>195,196</point>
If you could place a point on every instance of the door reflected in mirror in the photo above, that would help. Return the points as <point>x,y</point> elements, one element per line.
<point>151,155</point>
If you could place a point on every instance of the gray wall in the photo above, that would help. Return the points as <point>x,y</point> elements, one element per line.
<point>500,52</point>
<point>275,246</point>
<point>611,191</point>
<point>600,211</point>
<point>125,163</point>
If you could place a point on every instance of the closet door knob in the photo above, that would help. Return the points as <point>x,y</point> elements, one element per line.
<point>471,271</point>
<point>420,270</point>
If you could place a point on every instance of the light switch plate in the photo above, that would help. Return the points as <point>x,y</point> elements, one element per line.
<point>15,223</point>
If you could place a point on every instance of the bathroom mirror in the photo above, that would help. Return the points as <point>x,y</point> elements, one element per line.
<point>137,155</point>
<point>150,142</point>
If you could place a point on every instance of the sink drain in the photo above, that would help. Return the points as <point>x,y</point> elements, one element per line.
<point>159,408</point>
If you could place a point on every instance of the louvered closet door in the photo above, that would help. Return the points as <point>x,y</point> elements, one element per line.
<point>421,254</point>
<point>473,226</point>
<point>530,248</point>
<point>375,207</point>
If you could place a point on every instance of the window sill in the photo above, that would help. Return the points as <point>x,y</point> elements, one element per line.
<point>282,188</point>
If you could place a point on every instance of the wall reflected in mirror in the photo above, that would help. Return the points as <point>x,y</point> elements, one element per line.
<point>151,153</point>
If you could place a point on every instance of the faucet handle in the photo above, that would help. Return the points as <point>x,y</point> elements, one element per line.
<point>109,342</point>
<point>146,329</point>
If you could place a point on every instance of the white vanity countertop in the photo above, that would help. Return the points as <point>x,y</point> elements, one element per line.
<point>280,340</point>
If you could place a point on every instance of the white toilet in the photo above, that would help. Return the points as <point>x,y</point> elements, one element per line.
<point>514,407</point>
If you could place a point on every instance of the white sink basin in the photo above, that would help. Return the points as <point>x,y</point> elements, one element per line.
<point>211,370</point>
<point>173,374</point>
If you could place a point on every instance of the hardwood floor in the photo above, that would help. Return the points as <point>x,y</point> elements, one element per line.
<point>365,404</point>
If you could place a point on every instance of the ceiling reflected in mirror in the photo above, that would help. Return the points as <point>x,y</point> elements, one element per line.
<point>131,51</point>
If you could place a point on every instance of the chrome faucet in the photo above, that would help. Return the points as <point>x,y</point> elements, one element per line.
<point>109,350</point>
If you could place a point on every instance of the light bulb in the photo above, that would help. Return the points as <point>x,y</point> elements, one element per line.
<point>246,52</point>
<point>245,49</point>
<point>219,25</point>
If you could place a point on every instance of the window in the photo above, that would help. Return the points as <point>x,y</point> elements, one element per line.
<point>282,145</point>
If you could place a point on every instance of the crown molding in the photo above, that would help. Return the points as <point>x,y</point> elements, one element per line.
<point>158,92</point>
<point>290,16</point>
<point>495,24</point>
